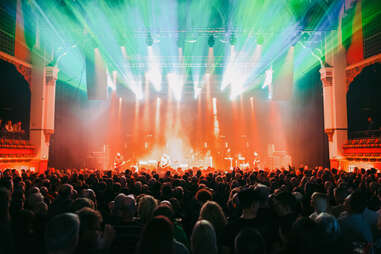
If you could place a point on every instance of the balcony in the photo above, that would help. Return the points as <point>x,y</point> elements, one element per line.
<point>364,146</point>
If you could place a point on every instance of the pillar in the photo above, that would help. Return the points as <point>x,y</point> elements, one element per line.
<point>335,104</point>
<point>43,86</point>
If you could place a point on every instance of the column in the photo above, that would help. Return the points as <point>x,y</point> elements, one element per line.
<point>43,87</point>
<point>335,106</point>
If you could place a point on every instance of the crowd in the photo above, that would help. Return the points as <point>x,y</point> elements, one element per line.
<point>11,130</point>
<point>239,212</point>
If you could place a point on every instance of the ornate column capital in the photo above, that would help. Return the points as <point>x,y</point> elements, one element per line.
<point>329,133</point>
<point>47,134</point>
<point>51,74</point>
<point>326,76</point>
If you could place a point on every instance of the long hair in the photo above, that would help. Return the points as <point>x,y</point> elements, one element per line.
<point>203,240</point>
<point>157,237</point>
<point>212,212</point>
<point>146,206</point>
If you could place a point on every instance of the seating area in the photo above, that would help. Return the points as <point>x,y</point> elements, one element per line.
<point>14,143</point>
<point>10,130</point>
<point>15,148</point>
<point>365,134</point>
<point>363,149</point>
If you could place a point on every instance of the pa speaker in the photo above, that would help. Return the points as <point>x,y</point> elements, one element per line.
<point>96,76</point>
<point>284,77</point>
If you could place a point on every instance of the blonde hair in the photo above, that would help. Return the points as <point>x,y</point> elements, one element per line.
<point>146,206</point>
<point>212,212</point>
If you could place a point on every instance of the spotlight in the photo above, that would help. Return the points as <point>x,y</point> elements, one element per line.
<point>149,40</point>
<point>211,41</point>
<point>305,36</point>
<point>176,84</point>
<point>260,39</point>
<point>233,39</point>
<point>180,40</point>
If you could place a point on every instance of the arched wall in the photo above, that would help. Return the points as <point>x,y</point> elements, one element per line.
<point>15,95</point>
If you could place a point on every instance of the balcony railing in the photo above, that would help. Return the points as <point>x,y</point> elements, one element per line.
<point>14,135</point>
<point>364,134</point>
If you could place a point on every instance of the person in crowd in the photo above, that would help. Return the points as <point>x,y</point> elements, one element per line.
<point>157,238</point>
<point>372,218</point>
<point>371,123</point>
<point>203,240</point>
<point>249,241</point>
<point>127,228</point>
<point>146,207</point>
<point>319,202</point>
<point>270,202</point>
<point>18,201</point>
<point>286,208</point>
<point>212,212</point>
<point>17,127</point>
<point>9,127</point>
<point>330,233</point>
<point>63,202</point>
<point>355,229</point>
<point>165,209</point>
<point>80,203</point>
<point>303,237</point>
<point>6,240</point>
<point>37,204</point>
<point>26,230</point>
<point>340,194</point>
<point>62,234</point>
<point>89,194</point>
<point>91,238</point>
<point>250,202</point>
<point>203,195</point>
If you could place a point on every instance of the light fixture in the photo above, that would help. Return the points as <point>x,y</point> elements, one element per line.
<point>232,39</point>
<point>149,40</point>
<point>180,40</point>
<point>260,39</point>
<point>211,41</point>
